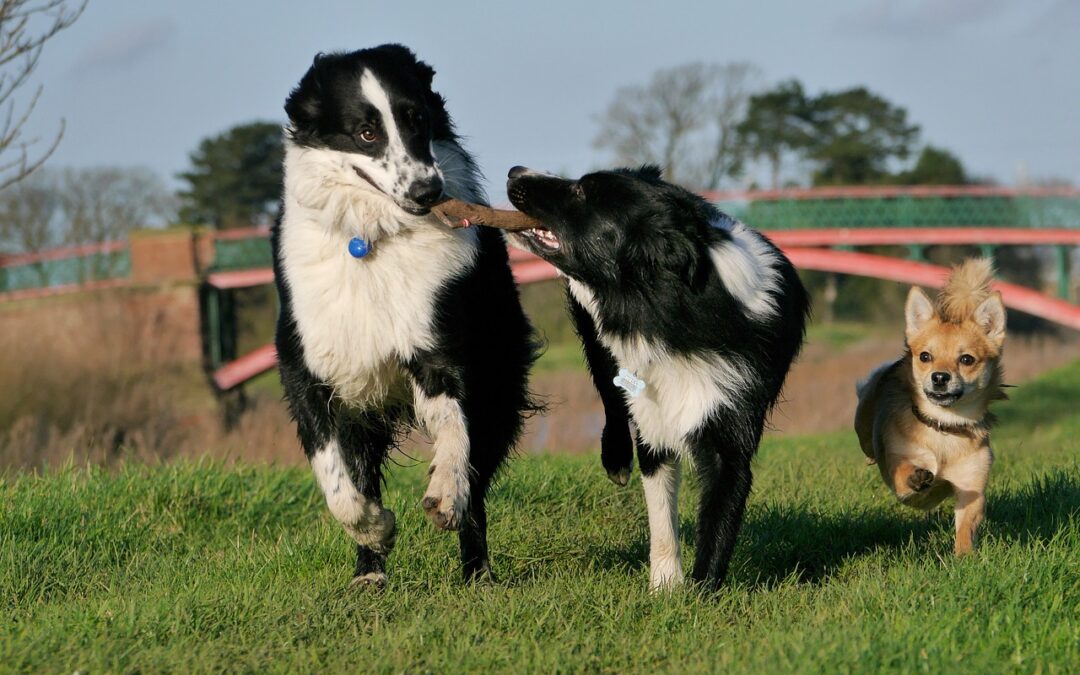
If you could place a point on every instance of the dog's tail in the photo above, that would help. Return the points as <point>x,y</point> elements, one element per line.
<point>968,286</point>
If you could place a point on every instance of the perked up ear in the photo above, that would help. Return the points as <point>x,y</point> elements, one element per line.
<point>917,312</point>
<point>990,315</point>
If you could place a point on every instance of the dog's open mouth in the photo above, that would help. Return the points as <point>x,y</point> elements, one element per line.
<point>541,238</point>
<point>942,398</point>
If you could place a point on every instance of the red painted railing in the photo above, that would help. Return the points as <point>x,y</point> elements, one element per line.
<point>528,268</point>
<point>888,191</point>
<point>62,252</point>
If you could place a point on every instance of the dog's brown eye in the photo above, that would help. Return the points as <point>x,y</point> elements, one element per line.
<point>925,357</point>
<point>967,360</point>
<point>367,136</point>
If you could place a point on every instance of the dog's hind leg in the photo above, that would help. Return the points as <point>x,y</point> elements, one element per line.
<point>722,463</point>
<point>660,474</point>
<point>616,446</point>
<point>472,536</point>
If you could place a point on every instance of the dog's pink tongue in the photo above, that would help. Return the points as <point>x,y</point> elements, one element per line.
<point>456,213</point>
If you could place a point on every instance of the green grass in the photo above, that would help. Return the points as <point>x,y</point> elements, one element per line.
<point>201,567</point>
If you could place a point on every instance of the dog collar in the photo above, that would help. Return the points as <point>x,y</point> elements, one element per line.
<point>975,430</point>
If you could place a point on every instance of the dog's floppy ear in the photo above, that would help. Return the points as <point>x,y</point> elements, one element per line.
<point>304,104</point>
<point>680,255</point>
<point>405,57</point>
<point>917,312</point>
<point>425,73</point>
<point>990,315</point>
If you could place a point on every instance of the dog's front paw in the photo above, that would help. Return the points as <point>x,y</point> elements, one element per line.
<point>372,580</point>
<point>619,476</point>
<point>447,498</point>
<point>920,480</point>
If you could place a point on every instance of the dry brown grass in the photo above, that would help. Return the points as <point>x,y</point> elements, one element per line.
<point>819,395</point>
<point>95,381</point>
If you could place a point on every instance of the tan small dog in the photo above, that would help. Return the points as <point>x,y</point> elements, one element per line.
<point>924,419</point>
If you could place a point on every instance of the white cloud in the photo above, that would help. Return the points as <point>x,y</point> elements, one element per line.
<point>126,45</point>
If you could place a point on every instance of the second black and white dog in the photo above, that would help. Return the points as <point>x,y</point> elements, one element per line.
<point>387,316</point>
<point>690,321</point>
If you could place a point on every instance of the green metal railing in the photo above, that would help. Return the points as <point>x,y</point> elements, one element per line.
<point>64,270</point>
<point>857,207</point>
<point>905,211</point>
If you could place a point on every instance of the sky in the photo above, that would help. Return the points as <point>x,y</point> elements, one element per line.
<point>141,82</point>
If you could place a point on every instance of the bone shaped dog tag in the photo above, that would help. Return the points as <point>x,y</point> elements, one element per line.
<point>629,383</point>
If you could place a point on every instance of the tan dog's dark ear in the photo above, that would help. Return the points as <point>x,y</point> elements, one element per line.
<point>990,315</point>
<point>917,312</point>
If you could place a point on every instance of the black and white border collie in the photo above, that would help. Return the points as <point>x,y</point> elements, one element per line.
<point>387,316</point>
<point>690,321</point>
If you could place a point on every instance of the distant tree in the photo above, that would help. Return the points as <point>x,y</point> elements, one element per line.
<point>29,213</point>
<point>935,167</point>
<point>81,206</point>
<point>235,177</point>
<point>777,123</point>
<point>684,120</point>
<point>25,27</point>
<point>106,204</point>
<point>857,133</point>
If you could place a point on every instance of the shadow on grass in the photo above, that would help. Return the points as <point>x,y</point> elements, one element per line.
<point>779,542</point>
<point>785,542</point>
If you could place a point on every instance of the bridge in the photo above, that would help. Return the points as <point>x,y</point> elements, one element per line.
<point>819,229</point>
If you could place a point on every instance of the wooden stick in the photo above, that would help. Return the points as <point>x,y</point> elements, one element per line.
<point>456,213</point>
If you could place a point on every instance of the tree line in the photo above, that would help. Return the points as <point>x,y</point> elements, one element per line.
<point>710,125</point>
<point>707,125</point>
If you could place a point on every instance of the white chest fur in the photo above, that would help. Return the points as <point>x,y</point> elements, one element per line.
<point>681,392</point>
<point>357,318</point>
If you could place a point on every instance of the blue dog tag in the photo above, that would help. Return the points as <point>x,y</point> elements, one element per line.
<point>358,248</point>
<point>629,382</point>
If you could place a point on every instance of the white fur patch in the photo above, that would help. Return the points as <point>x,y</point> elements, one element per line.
<point>662,500</point>
<point>681,391</point>
<point>748,269</point>
<point>445,422</point>
<point>357,318</point>
<point>365,520</point>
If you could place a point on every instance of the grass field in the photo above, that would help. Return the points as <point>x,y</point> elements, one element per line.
<point>204,567</point>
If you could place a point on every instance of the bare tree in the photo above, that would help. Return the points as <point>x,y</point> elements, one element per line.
<point>81,206</point>
<point>29,214</point>
<point>106,204</point>
<point>683,120</point>
<point>25,27</point>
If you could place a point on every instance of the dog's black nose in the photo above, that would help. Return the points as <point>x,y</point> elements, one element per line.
<point>940,379</point>
<point>426,192</point>
<point>517,171</point>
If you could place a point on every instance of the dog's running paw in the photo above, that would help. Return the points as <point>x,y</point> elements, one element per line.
<point>447,499</point>
<point>920,479</point>
<point>620,476</point>
<point>372,580</point>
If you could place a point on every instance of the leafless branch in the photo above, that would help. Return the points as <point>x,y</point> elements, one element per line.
<point>683,120</point>
<point>25,27</point>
